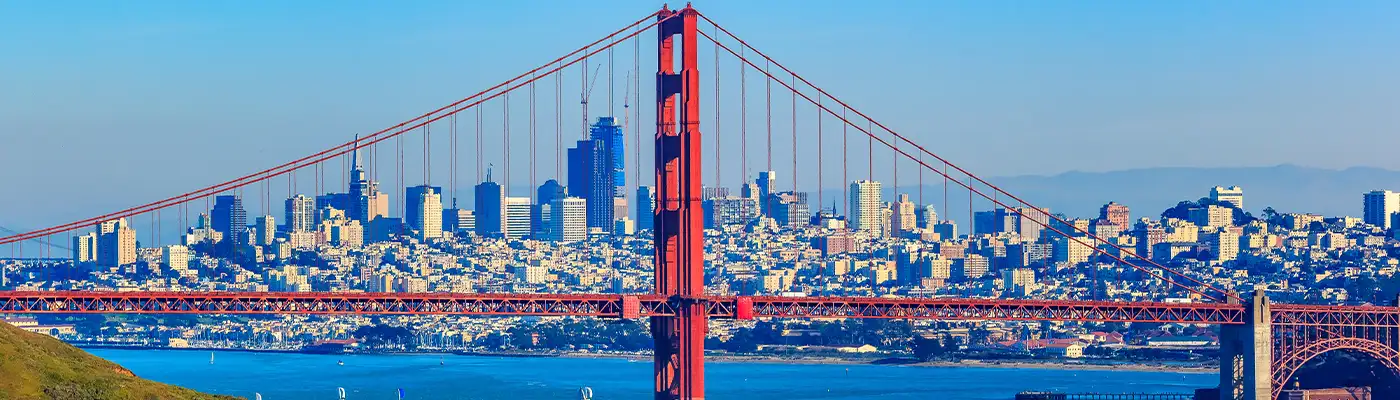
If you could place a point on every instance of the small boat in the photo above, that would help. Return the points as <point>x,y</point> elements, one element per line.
<point>342,392</point>
<point>211,358</point>
<point>340,362</point>
<point>441,361</point>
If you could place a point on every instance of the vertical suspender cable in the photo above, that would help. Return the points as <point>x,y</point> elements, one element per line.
<point>558,126</point>
<point>717,113</point>
<point>637,111</point>
<point>505,124</point>
<point>743,119</point>
<point>870,152</point>
<point>453,174</point>
<point>794,137</point>
<point>768,116</point>
<point>478,144</point>
<point>610,78</point>
<point>532,140</point>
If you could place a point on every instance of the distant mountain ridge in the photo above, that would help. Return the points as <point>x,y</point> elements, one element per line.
<point>1148,191</point>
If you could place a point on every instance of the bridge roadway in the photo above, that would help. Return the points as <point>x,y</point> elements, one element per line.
<point>633,306</point>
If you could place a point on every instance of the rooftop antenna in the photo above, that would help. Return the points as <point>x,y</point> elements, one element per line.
<point>488,171</point>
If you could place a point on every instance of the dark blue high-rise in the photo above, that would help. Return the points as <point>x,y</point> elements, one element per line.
<point>230,219</point>
<point>488,207</point>
<point>596,171</point>
<point>607,130</point>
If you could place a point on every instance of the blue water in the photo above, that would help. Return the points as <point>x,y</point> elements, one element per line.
<point>370,377</point>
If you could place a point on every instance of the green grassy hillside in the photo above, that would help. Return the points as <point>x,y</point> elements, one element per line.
<point>38,367</point>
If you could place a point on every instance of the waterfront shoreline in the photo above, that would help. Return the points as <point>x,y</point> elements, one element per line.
<point>1007,364</point>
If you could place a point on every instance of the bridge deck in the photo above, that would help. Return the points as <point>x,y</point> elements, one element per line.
<point>612,305</point>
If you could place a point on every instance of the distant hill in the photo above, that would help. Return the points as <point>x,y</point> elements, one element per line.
<point>34,366</point>
<point>1286,188</point>
<point>1148,191</point>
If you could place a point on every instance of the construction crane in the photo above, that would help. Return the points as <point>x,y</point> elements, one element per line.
<point>583,98</point>
<point>626,95</point>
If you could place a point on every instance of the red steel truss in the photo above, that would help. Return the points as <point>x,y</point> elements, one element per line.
<point>994,309</point>
<point>606,305</point>
<point>584,305</point>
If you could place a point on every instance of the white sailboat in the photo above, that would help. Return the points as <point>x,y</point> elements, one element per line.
<point>211,358</point>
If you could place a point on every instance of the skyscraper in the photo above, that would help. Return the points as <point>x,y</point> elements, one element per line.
<point>1378,206</point>
<point>592,177</point>
<point>927,216</point>
<point>488,207</point>
<point>116,245</point>
<point>266,229</point>
<point>300,212</point>
<point>414,199</point>
<point>608,131</point>
<point>902,217</point>
<point>789,209</point>
<point>646,207</point>
<point>865,207</point>
<point>85,248</point>
<point>428,214</point>
<point>568,220</point>
<point>767,183</point>
<point>363,202</point>
<point>540,212</point>
<point>724,211</point>
<point>1118,214</point>
<point>230,220</point>
<point>1233,195</point>
<point>515,217</point>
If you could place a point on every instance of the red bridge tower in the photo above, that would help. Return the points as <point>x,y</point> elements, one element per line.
<point>679,229</point>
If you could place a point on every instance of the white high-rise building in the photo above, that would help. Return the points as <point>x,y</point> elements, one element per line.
<point>1378,207</point>
<point>85,248</point>
<point>515,217</point>
<point>1233,195</point>
<point>176,257</point>
<point>300,213</point>
<point>1018,280</point>
<point>429,216</point>
<point>568,220</point>
<point>866,212</point>
<point>266,228</point>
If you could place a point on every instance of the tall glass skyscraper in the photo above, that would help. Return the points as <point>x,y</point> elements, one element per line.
<point>231,220</point>
<point>611,134</point>
<point>596,172</point>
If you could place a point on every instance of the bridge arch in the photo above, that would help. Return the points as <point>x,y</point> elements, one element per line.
<point>1288,362</point>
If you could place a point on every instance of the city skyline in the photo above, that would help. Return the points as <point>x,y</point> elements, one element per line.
<point>743,250</point>
<point>1356,26</point>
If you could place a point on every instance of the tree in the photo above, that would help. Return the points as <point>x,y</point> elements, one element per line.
<point>927,348</point>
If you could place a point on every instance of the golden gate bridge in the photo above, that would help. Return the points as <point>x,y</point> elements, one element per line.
<point>1262,344</point>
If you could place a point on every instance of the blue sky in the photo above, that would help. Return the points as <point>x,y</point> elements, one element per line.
<point>108,104</point>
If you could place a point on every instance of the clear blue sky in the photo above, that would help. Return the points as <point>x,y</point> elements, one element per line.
<point>109,104</point>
